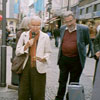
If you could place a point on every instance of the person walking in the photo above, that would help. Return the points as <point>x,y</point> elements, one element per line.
<point>72,52</point>
<point>56,35</point>
<point>36,45</point>
<point>93,32</point>
<point>96,52</point>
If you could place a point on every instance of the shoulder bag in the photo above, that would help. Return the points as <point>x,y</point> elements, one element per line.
<point>17,63</point>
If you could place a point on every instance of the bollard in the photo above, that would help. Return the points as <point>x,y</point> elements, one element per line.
<point>0,57</point>
<point>14,77</point>
<point>0,63</point>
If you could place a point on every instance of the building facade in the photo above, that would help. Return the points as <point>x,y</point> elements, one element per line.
<point>89,9</point>
<point>11,17</point>
<point>74,7</point>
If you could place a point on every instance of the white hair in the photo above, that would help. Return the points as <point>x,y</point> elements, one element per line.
<point>36,18</point>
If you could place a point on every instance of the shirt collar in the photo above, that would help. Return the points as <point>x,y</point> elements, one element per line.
<point>73,29</point>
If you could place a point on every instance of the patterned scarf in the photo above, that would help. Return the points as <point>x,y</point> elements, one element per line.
<point>33,49</point>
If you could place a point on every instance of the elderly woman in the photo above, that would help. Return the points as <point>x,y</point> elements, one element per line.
<point>37,46</point>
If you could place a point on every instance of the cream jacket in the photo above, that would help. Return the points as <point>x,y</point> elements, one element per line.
<point>43,50</point>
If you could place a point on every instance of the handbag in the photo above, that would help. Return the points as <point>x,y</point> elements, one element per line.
<point>17,64</point>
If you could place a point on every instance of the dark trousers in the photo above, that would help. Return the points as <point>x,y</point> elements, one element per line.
<point>32,84</point>
<point>56,41</point>
<point>68,65</point>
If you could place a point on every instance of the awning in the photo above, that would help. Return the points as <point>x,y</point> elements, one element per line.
<point>53,20</point>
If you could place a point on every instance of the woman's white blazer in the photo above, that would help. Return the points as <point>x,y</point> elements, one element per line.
<point>43,50</point>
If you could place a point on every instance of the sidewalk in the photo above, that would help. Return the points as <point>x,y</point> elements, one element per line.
<point>5,93</point>
<point>52,77</point>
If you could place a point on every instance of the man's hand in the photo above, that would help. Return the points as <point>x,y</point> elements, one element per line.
<point>97,54</point>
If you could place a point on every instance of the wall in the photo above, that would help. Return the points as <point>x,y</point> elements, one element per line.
<point>85,2</point>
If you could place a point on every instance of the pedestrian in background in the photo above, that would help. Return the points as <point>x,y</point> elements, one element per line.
<point>84,22</point>
<point>38,50</point>
<point>72,52</point>
<point>98,28</point>
<point>7,34</point>
<point>96,52</point>
<point>56,35</point>
<point>24,26</point>
<point>93,32</point>
<point>49,33</point>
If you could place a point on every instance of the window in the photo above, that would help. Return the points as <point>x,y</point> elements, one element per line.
<point>89,9</point>
<point>82,11</point>
<point>97,7</point>
<point>11,22</point>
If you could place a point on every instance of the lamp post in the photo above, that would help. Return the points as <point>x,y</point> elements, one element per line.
<point>3,46</point>
<point>49,10</point>
<point>68,7</point>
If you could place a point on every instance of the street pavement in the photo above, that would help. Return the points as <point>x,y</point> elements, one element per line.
<point>52,77</point>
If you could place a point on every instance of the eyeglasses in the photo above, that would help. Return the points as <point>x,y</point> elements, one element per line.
<point>70,21</point>
<point>35,26</point>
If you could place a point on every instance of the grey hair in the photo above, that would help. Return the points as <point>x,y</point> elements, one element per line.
<point>36,18</point>
<point>68,13</point>
<point>25,23</point>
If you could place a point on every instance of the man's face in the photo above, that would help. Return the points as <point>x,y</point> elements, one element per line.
<point>35,26</point>
<point>70,22</point>
<point>90,25</point>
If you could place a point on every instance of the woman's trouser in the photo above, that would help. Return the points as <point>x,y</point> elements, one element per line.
<point>32,84</point>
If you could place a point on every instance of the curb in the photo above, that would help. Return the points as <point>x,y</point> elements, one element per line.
<point>13,87</point>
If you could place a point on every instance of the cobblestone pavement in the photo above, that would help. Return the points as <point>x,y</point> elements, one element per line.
<point>52,80</point>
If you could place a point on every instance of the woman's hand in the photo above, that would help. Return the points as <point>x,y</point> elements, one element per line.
<point>28,44</point>
<point>41,59</point>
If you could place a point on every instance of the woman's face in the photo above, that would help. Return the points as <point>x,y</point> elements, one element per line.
<point>35,26</point>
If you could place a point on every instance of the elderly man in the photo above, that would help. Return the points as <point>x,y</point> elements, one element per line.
<point>72,52</point>
<point>36,45</point>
